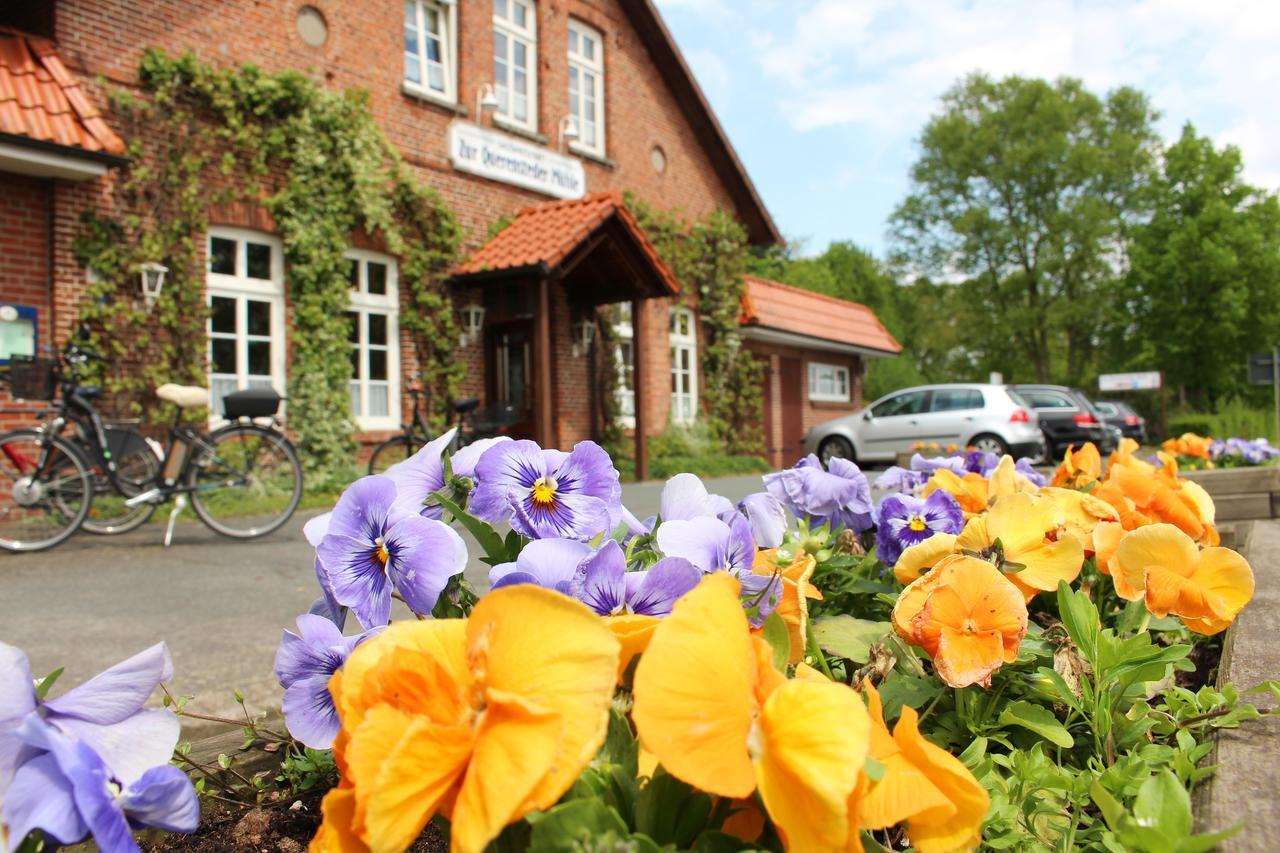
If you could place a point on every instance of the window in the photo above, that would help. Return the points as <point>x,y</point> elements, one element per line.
<point>18,333</point>
<point>828,382</point>
<point>430,41</point>
<point>955,399</point>
<point>373,323</point>
<point>515,41</point>
<point>246,313</point>
<point>684,366</point>
<point>1049,400</point>
<point>625,359</point>
<point>586,87</point>
<point>1107,409</point>
<point>910,403</point>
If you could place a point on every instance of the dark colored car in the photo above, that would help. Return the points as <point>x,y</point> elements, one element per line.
<point>1067,418</point>
<point>1130,423</point>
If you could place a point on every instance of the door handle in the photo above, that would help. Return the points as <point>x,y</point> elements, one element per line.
<point>968,417</point>
<point>914,422</point>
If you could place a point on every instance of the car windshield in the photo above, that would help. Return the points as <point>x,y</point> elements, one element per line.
<point>908,403</point>
<point>1108,409</point>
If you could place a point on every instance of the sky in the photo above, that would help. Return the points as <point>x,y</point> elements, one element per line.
<point>824,100</point>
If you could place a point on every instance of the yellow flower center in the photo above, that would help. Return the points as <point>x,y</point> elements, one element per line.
<point>755,741</point>
<point>544,492</point>
<point>917,523</point>
<point>380,553</point>
<point>969,626</point>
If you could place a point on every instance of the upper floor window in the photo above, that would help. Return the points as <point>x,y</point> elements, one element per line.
<point>374,333</point>
<point>515,48</point>
<point>684,366</point>
<point>586,86</point>
<point>246,330</point>
<point>828,382</point>
<point>625,361</point>
<point>430,55</point>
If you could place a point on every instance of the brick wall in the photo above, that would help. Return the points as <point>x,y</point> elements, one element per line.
<point>25,209</point>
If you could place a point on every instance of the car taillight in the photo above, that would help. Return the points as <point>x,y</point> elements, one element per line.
<point>1020,416</point>
<point>1085,419</point>
<point>1132,420</point>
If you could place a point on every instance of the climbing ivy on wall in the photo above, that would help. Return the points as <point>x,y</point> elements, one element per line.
<point>320,165</point>
<point>709,257</point>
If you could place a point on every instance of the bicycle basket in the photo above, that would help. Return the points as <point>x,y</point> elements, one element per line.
<point>33,378</point>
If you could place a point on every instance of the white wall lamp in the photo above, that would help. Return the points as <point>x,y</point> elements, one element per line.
<point>153,275</point>
<point>472,318</point>
<point>584,332</point>
<point>486,100</point>
<point>567,132</point>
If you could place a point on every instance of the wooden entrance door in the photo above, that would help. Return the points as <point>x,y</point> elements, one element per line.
<point>509,359</point>
<point>791,382</point>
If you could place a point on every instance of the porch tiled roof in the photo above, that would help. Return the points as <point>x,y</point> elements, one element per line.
<point>543,235</point>
<point>771,304</point>
<point>42,101</point>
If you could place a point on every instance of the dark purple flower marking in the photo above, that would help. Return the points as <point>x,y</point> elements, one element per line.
<point>903,521</point>
<point>305,662</point>
<point>602,582</point>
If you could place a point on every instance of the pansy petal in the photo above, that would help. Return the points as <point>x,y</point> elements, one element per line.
<point>358,580</point>
<point>1155,545</point>
<point>702,542</point>
<point>599,580</point>
<point>571,516</point>
<point>663,585</point>
<point>163,798</point>
<point>309,712</point>
<point>1227,580</point>
<point>465,460</point>
<point>315,528</point>
<point>421,475</point>
<point>917,559</point>
<point>425,553</point>
<point>42,798</point>
<point>119,691</point>
<point>362,507</point>
<point>957,825</point>
<point>504,467</point>
<point>1046,565</point>
<point>684,497</point>
<point>767,517</point>
<point>130,746</point>
<point>695,687</point>
<point>633,633</point>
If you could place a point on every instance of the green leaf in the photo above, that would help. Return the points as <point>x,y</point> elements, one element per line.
<point>1080,618</point>
<point>848,637</point>
<point>1164,804</point>
<point>568,826</point>
<point>670,811</point>
<point>874,769</point>
<point>42,687</point>
<point>1038,719</point>
<point>779,639</point>
<point>620,745</point>
<point>902,689</point>
<point>490,542</point>
<point>715,841</point>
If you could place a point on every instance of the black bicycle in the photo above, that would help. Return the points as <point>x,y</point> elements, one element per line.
<point>243,479</point>
<point>472,422</point>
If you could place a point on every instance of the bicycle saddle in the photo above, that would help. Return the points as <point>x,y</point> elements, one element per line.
<point>183,396</point>
<point>89,392</point>
<point>467,405</point>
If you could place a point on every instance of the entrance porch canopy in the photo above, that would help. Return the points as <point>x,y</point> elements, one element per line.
<point>597,251</point>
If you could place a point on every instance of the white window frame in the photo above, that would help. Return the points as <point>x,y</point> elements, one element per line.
<point>625,333</point>
<point>595,68</point>
<point>684,342</point>
<point>447,14</point>
<point>362,305</point>
<point>528,36</point>
<point>240,287</point>
<point>835,373</point>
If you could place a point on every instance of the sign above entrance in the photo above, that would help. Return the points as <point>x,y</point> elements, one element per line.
<point>1129,381</point>
<point>499,157</point>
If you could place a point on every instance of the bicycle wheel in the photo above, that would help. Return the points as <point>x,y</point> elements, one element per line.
<point>137,468</point>
<point>391,451</point>
<point>245,481</point>
<point>46,490</point>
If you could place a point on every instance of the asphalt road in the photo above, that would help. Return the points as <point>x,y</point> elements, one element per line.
<point>218,603</point>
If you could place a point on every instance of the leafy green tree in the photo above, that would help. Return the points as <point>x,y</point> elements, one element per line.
<point>1205,276</point>
<point>1027,189</point>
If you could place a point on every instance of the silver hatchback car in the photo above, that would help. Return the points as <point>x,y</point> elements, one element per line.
<point>986,417</point>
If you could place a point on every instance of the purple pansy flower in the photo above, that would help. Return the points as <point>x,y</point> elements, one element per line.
<point>464,461</point>
<point>715,546</point>
<point>684,496</point>
<point>981,462</point>
<point>548,493</point>
<point>955,464</point>
<point>544,562</point>
<point>840,496</point>
<point>373,545</point>
<point>326,605</point>
<point>903,521</point>
<point>898,479</point>
<point>421,475</point>
<point>69,792</point>
<point>1025,468</point>
<point>305,662</point>
<point>767,517</point>
<point>603,583</point>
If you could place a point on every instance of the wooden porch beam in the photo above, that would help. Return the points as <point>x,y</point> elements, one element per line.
<point>542,361</point>
<point>640,359</point>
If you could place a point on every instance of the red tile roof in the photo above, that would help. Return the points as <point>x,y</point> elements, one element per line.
<point>773,305</point>
<point>543,235</point>
<point>42,101</point>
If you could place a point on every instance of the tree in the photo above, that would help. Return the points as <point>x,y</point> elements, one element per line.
<point>1028,189</point>
<point>1205,275</point>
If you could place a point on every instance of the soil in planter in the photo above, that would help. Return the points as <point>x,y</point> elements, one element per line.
<point>272,828</point>
<point>1206,656</point>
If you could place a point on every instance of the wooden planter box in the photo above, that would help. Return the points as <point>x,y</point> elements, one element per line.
<point>1241,494</point>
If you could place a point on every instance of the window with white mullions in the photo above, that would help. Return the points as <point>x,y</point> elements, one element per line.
<point>828,382</point>
<point>515,40</point>
<point>430,40</point>
<point>684,365</point>
<point>625,361</point>
<point>586,86</point>
<point>373,331</point>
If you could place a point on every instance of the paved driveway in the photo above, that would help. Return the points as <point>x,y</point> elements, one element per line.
<point>219,604</point>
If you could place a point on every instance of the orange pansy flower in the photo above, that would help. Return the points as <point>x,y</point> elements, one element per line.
<point>1032,533</point>
<point>793,607</point>
<point>922,556</point>
<point>1158,494</point>
<point>713,710</point>
<point>1081,513</point>
<point>484,720</point>
<point>967,616</point>
<point>1206,589</point>
<point>633,631</point>
<point>1188,444</point>
<point>970,491</point>
<point>1107,537</point>
<point>1079,468</point>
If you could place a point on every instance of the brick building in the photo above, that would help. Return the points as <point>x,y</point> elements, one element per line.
<point>545,110</point>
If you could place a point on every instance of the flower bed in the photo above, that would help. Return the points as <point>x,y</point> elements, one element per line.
<point>984,659</point>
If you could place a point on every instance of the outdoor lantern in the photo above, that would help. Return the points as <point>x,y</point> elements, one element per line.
<point>472,317</point>
<point>486,100</point>
<point>568,129</point>
<point>153,281</point>
<point>584,332</point>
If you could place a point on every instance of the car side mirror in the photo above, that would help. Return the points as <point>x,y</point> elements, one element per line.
<point>866,416</point>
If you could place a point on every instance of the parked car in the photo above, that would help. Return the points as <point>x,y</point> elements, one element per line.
<point>987,417</point>
<point>1121,415</point>
<point>1067,418</point>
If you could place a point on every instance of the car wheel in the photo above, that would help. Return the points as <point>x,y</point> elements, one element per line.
<point>989,443</point>
<point>835,447</point>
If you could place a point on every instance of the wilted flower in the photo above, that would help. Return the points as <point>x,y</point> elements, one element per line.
<point>839,496</point>
<point>714,546</point>
<point>767,517</point>
<point>549,563</point>
<point>903,521</point>
<point>373,544</point>
<point>548,493</point>
<point>487,719</point>
<point>710,706</point>
<point>603,583</point>
<point>305,662</point>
